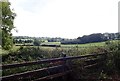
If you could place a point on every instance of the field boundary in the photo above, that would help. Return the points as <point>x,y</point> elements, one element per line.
<point>62,67</point>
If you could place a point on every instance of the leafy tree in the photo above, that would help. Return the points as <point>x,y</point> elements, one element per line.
<point>36,42</point>
<point>7,24</point>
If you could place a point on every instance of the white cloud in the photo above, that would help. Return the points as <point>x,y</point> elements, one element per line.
<point>65,18</point>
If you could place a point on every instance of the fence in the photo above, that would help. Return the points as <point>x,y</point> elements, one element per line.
<point>60,67</point>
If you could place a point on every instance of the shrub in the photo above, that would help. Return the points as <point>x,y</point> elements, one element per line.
<point>36,42</point>
<point>113,59</point>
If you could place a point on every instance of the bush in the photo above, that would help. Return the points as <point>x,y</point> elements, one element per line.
<point>113,59</point>
<point>107,42</point>
<point>24,54</point>
<point>36,42</point>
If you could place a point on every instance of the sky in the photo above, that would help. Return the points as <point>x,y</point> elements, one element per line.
<point>64,18</point>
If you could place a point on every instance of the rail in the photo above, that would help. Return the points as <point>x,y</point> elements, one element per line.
<point>54,71</point>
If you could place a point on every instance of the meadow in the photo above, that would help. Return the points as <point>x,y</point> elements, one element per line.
<point>62,46</point>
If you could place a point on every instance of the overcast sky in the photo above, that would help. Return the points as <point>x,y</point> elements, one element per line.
<point>65,18</point>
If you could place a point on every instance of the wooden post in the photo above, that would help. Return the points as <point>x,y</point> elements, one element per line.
<point>64,65</point>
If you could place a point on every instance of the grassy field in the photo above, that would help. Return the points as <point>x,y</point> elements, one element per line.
<point>69,46</point>
<point>85,45</point>
<point>51,43</point>
<point>63,46</point>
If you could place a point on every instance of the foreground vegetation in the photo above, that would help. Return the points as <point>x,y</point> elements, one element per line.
<point>25,54</point>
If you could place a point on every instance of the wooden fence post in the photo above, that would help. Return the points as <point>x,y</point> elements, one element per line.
<point>64,64</point>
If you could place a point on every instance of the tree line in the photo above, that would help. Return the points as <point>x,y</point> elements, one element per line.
<point>96,37</point>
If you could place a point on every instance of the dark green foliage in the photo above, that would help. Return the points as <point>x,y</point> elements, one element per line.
<point>96,37</point>
<point>7,24</point>
<point>21,41</point>
<point>117,59</point>
<point>113,59</point>
<point>30,54</point>
<point>107,42</point>
<point>92,38</point>
<point>24,54</point>
<point>6,41</point>
<point>36,42</point>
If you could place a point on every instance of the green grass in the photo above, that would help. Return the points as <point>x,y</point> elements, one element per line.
<point>63,46</point>
<point>58,43</point>
<point>85,45</point>
<point>89,44</point>
<point>51,43</point>
<point>74,45</point>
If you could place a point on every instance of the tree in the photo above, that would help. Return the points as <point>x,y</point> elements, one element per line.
<point>36,42</point>
<point>7,24</point>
